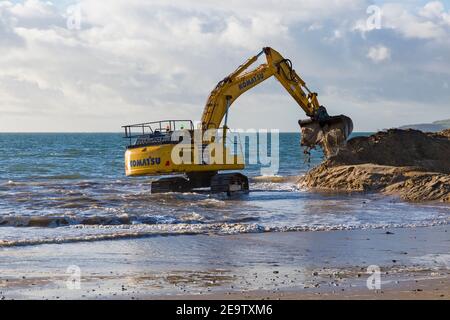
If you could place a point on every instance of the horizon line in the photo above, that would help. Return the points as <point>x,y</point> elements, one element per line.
<point>121,132</point>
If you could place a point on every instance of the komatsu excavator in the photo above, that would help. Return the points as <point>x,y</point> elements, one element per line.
<point>191,158</point>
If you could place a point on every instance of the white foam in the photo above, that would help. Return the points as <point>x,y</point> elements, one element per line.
<point>114,232</point>
<point>88,233</point>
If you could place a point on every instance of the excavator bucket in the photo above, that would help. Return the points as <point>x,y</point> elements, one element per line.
<point>330,134</point>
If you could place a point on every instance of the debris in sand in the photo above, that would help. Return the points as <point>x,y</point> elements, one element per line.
<point>408,163</point>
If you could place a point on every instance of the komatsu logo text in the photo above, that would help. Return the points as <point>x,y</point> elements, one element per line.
<point>251,81</point>
<point>145,162</point>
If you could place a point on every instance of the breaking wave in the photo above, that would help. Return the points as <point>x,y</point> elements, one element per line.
<point>110,220</point>
<point>275,179</point>
<point>90,233</point>
<point>60,221</point>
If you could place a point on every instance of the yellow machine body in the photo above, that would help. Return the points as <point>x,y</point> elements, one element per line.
<point>158,160</point>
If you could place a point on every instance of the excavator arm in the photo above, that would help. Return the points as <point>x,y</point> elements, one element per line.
<point>315,130</point>
<point>241,80</point>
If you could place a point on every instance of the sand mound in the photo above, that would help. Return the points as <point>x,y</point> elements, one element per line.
<point>398,148</point>
<point>410,163</point>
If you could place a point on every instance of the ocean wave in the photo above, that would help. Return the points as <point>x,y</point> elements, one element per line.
<point>74,176</point>
<point>45,181</point>
<point>212,203</point>
<point>116,232</point>
<point>81,182</point>
<point>344,227</point>
<point>70,220</point>
<point>275,183</point>
<point>275,179</point>
<point>192,217</point>
<point>274,186</point>
<point>53,221</point>
<point>133,231</point>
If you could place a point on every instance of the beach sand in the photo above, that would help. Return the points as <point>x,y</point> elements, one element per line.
<point>417,288</point>
<point>414,264</point>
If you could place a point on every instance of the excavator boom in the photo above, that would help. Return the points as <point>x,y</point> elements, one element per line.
<point>320,129</point>
<point>242,80</point>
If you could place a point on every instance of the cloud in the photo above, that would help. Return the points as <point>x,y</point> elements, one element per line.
<point>430,21</point>
<point>134,61</point>
<point>379,53</point>
<point>432,10</point>
<point>411,25</point>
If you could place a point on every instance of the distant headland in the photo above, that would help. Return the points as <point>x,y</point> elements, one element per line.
<point>429,127</point>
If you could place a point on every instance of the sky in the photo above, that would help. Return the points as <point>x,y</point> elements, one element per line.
<point>92,66</point>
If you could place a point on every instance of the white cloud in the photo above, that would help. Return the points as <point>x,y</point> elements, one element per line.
<point>432,10</point>
<point>379,53</point>
<point>131,59</point>
<point>428,22</point>
<point>412,26</point>
<point>134,60</point>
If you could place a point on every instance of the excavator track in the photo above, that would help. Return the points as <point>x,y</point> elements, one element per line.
<point>170,184</point>
<point>229,183</point>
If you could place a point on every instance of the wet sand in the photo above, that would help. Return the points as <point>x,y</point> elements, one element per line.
<point>414,263</point>
<point>417,288</point>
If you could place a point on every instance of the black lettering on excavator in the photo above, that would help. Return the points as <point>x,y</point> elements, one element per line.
<point>145,162</point>
<point>251,81</point>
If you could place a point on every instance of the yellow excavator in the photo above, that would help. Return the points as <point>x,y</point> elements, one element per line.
<point>191,158</point>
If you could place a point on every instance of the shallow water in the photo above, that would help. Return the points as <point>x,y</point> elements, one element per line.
<point>161,267</point>
<point>58,188</point>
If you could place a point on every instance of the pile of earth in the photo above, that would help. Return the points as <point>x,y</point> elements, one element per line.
<point>409,163</point>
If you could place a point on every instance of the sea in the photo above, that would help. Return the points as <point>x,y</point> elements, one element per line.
<point>58,188</point>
